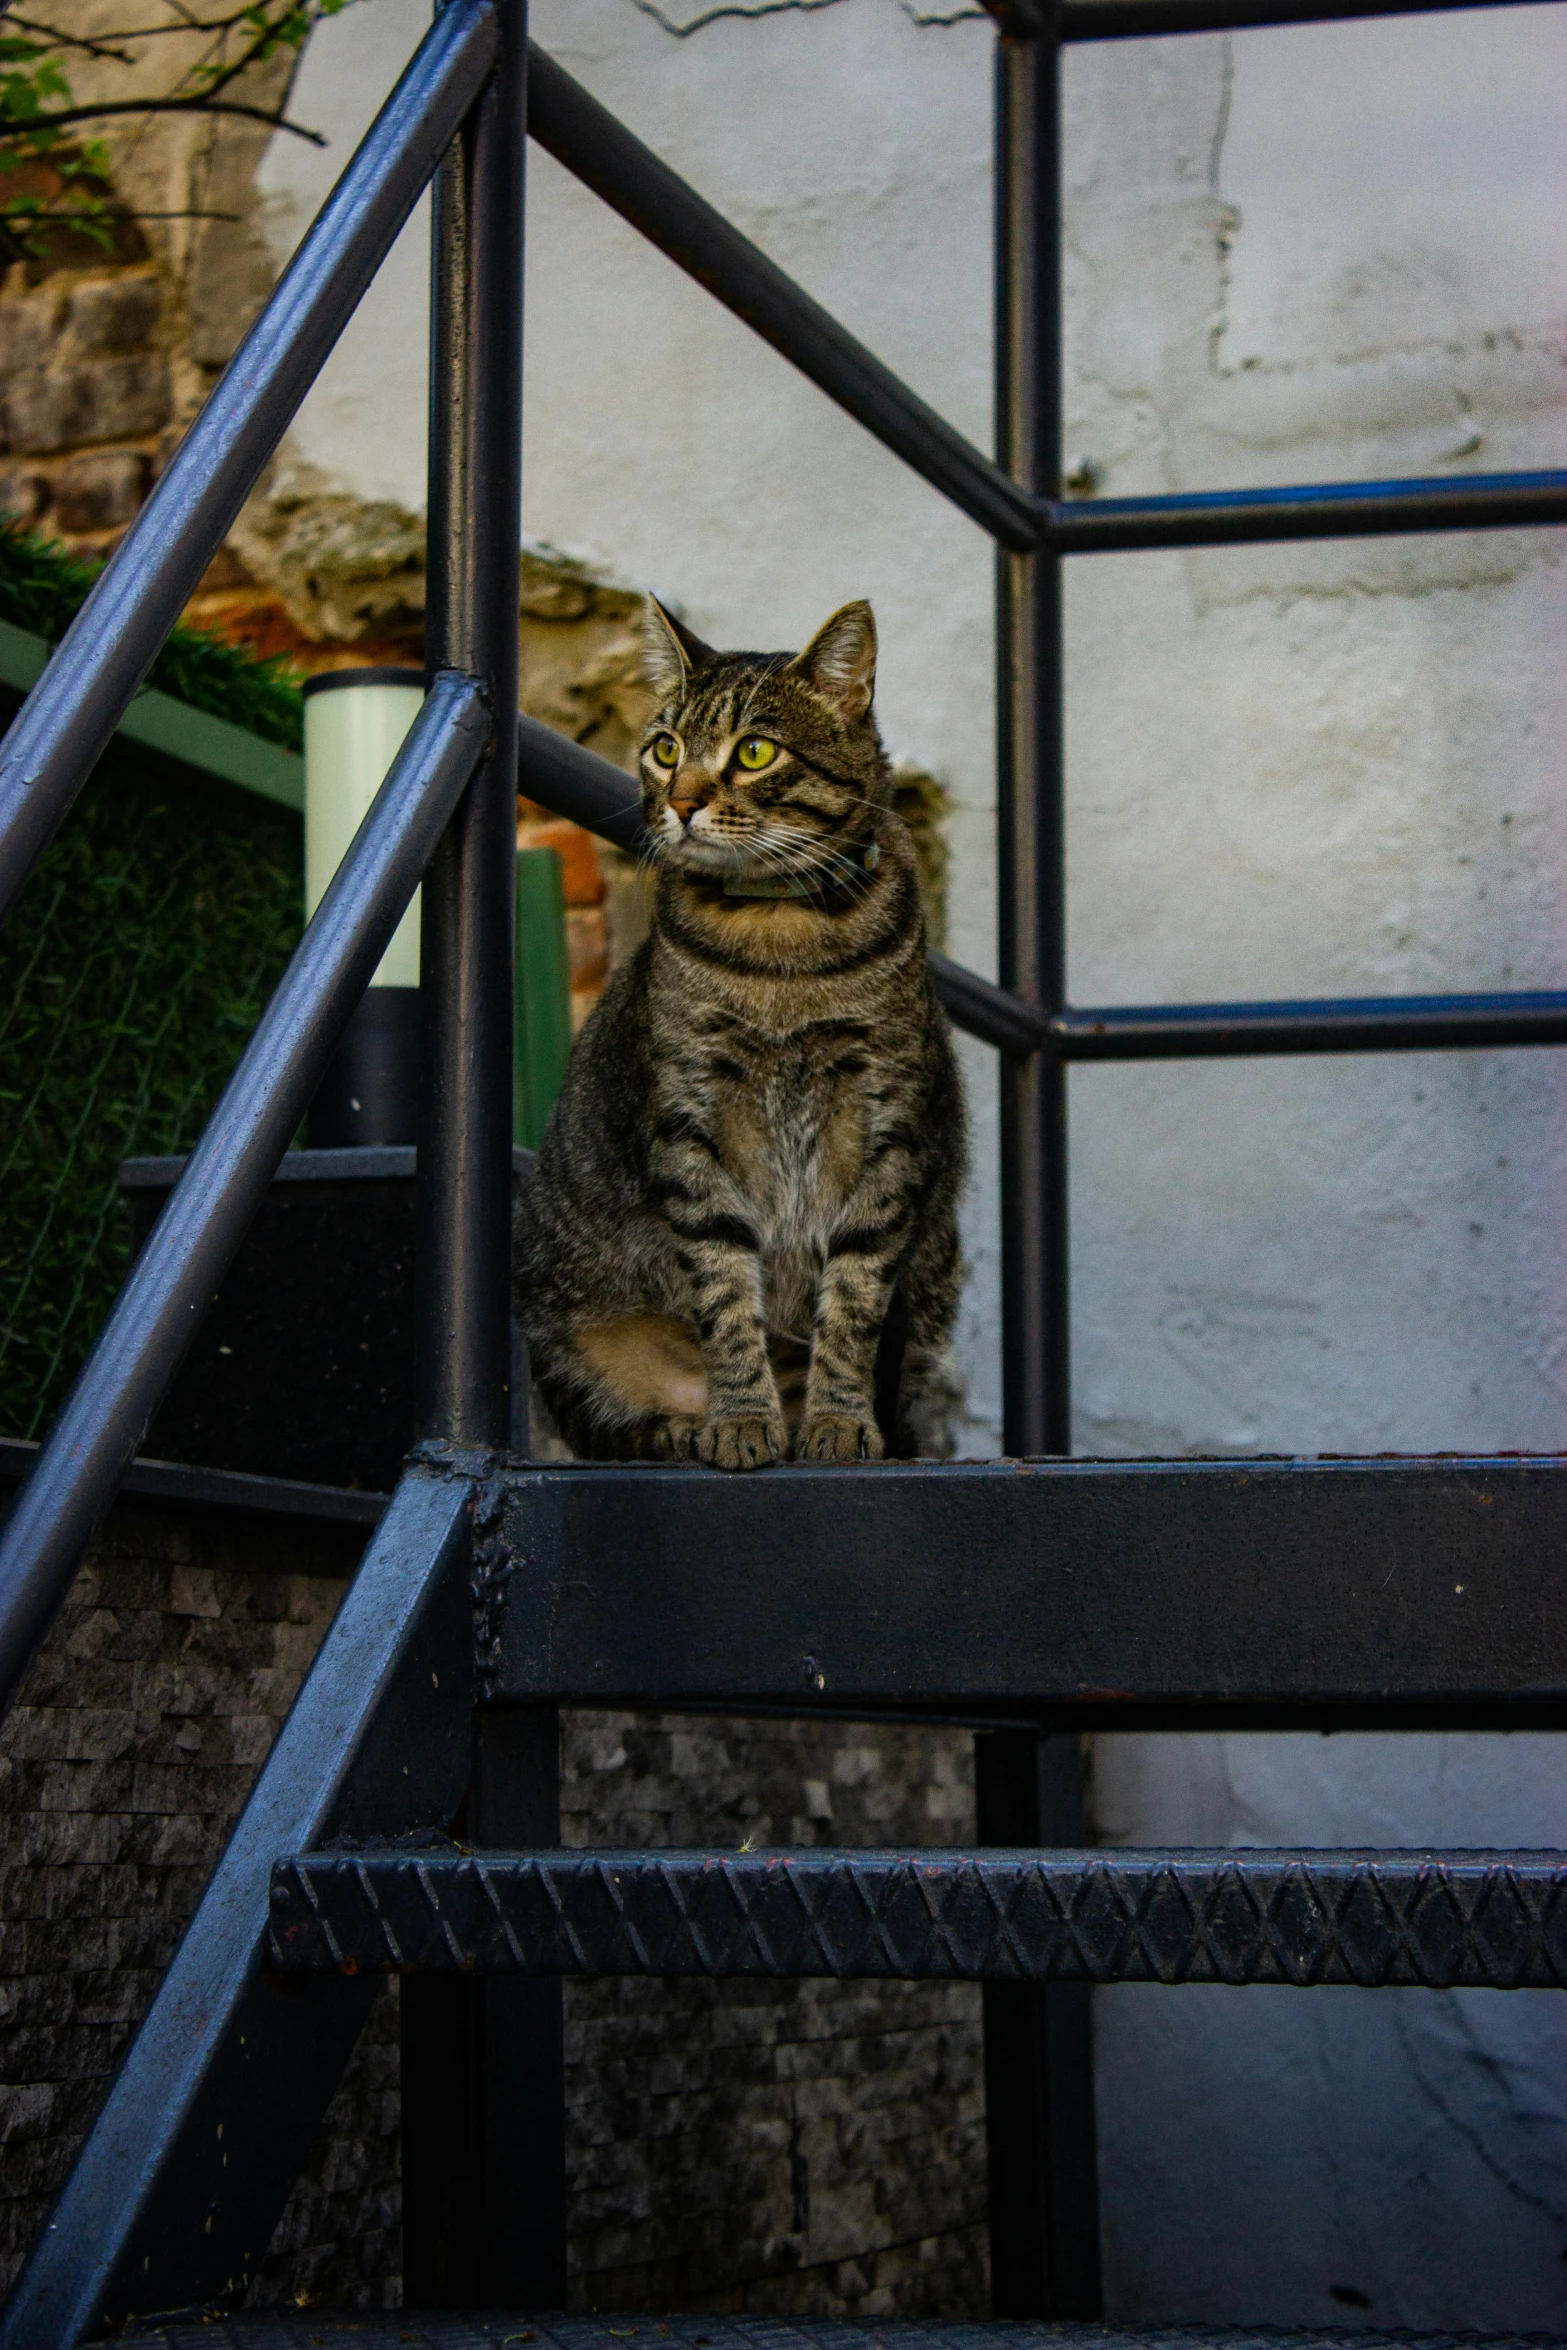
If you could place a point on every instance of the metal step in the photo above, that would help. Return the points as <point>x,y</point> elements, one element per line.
<point>1377,1919</point>
<point>1108,1594</point>
<point>418,2329</point>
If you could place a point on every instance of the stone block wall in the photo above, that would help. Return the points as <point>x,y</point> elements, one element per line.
<point>135,1742</point>
<point>795,2147</point>
<point>85,397</point>
<point>805,2148</point>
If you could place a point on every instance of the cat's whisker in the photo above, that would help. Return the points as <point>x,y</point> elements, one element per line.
<point>820,855</point>
<point>785,856</point>
<point>859,800</point>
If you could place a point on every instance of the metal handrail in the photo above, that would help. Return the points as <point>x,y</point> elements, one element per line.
<point>74,708</point>
<point>1333,1024</point>
<point>173,1280</point>
<point>68,718</point>
<point>1308,510</point>
<point>598,149</point>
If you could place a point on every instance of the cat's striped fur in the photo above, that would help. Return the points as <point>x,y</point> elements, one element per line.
<point>760,1144</point>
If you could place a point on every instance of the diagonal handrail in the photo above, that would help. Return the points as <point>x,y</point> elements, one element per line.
<point>605,156</point>
<point>599,150</point>
<point>81,697</point>
<point>193,1243</point>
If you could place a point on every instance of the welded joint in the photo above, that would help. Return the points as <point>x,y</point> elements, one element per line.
<point>451,1463</point>
<point>1023,20</point>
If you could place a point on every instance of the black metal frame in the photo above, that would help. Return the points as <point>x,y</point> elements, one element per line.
<point>383,1737</point>
<point>475,80</point>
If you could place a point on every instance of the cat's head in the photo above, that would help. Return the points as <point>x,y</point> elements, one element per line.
<point>763,764</point>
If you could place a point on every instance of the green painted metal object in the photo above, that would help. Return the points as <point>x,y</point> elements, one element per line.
<point>161,723</point>
<point>542,1033</point>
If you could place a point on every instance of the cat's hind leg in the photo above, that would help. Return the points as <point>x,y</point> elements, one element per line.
<point>631,1388</point>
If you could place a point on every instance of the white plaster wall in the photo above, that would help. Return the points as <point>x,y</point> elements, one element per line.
<point>1308,253</point>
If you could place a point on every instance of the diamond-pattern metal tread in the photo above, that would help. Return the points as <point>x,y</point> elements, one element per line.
<point>1439,1919</point>
<point>486,2330</point>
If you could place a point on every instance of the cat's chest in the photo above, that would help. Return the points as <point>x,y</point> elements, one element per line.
<point>793,1134</point>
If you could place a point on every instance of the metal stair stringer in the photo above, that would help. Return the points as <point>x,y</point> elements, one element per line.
<point>175,2194</point>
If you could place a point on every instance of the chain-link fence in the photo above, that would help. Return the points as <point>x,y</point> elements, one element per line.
<point>132,970</point>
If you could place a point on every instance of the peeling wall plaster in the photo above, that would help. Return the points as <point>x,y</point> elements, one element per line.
<point>1305,253</point>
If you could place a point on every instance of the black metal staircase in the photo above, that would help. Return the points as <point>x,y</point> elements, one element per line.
<point>1034,1599</point>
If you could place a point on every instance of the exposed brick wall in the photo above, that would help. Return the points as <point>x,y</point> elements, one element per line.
<point>804,2147</point>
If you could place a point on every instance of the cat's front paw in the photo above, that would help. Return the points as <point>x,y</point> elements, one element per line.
<point>747,1441</point>
<point>838,1436</point>
<point>671,1437</point>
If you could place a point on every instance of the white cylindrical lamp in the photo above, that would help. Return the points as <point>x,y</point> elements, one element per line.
<point>355,724</point>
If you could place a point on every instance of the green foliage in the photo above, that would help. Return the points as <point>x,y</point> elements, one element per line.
<point>30,76</point>
<point>132,970</point>
<point>40,119</point>
<point>42,588</point>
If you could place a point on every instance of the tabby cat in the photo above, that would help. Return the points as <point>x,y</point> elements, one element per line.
<point>748,1189</point>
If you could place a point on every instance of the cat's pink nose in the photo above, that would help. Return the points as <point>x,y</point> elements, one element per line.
<point>684,809</point>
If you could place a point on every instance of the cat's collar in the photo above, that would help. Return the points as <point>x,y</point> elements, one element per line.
<point>863,862</point>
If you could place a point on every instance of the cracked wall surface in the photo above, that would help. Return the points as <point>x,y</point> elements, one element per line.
<point>1293,254</point>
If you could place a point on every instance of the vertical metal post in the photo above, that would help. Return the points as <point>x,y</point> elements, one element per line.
<point>484,2167</point>
<point>1039,2089</point>
<point>483,2090</point>
<point>1039,2062</point>
<point>1031,834</point>
<point>464,1185</point>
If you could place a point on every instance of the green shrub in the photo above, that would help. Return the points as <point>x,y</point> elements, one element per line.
<point>42,588</point>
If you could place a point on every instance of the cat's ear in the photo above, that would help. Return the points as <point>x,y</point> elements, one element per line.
<point>840,661</point>
<point>670,651</point>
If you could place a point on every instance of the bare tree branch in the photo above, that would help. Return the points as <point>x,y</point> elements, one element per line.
<point>39,111</point>
<point>141,32</point>
<point>198,104</point>
<point>76,40</point>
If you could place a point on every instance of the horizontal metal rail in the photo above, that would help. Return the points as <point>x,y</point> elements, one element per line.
<point>572,781</point>
<point>1377,1919</point>
<point>1124,20</point>
<point>633,181</point>
<point>578,783</point>
<point>76,705</point>
<point>173,1281</point>
<point>218,1489</point>
<point>1350,1024</point>
<point>1310,510</point>
<point>994,1014</point>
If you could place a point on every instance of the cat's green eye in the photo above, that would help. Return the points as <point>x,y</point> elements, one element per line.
<point>665,750</point>
<point>756,751</point>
